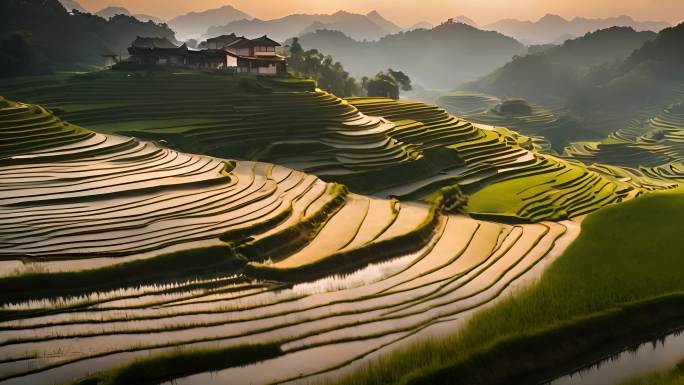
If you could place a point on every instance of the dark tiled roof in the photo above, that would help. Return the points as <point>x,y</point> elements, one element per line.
<point>225,39</point>
<point>237,41</point>
<point>261,41</point>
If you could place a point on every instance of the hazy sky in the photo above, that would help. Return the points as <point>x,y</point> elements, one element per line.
<point>407,12</point>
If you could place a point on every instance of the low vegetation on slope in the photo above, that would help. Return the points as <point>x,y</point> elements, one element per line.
<point>592,283</point>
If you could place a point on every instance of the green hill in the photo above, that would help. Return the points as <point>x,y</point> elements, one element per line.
<point>555,73</point>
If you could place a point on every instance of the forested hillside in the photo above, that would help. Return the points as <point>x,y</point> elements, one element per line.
<point>44,36</point>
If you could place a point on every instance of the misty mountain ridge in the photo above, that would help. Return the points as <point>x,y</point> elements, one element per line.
<point>420,25</point>
<point>70,5</point>
<point>195,24</point>
<point>109,12</point>
<point>447,54</point>
<point>466,20</point>
<point>358,26</point>
<point>383,23</point>
<point>556,29</point>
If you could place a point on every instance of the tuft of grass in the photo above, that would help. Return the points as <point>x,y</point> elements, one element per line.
<point>166,367</point>
<point>177,265</point>
<point>348,261</point>
<point>296,236</point>
<point>625,253</point>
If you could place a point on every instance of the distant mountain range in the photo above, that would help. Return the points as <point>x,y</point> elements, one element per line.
<point>383,23</point>
<point>195,24</point>
<point>555,29</point>
<point>437,58</point>
<point>371,26</point>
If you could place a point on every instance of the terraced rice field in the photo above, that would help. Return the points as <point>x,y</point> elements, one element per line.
<point>304,264</point>
<point>656,154</point>
<point>503,174</point>
<point>541,123</point>
<point>280,120</point>
<point>121,245</point>
<point>402,149</point>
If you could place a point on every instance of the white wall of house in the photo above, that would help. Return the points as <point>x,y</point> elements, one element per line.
<point>231,61</point>
<point>270,70</point>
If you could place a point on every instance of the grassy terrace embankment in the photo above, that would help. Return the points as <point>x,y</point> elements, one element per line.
<point>621,277</point>
<point>159,369</point>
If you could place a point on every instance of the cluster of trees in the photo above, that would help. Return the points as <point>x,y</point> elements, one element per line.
<point>331,76</point>
<point>386,84</point>
<point>37,35</point>
<point>328,74</point>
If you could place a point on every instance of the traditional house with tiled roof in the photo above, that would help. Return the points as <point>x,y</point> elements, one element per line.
<point>219,42</point>
<point>256,55</point>
<point>222,52</point>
